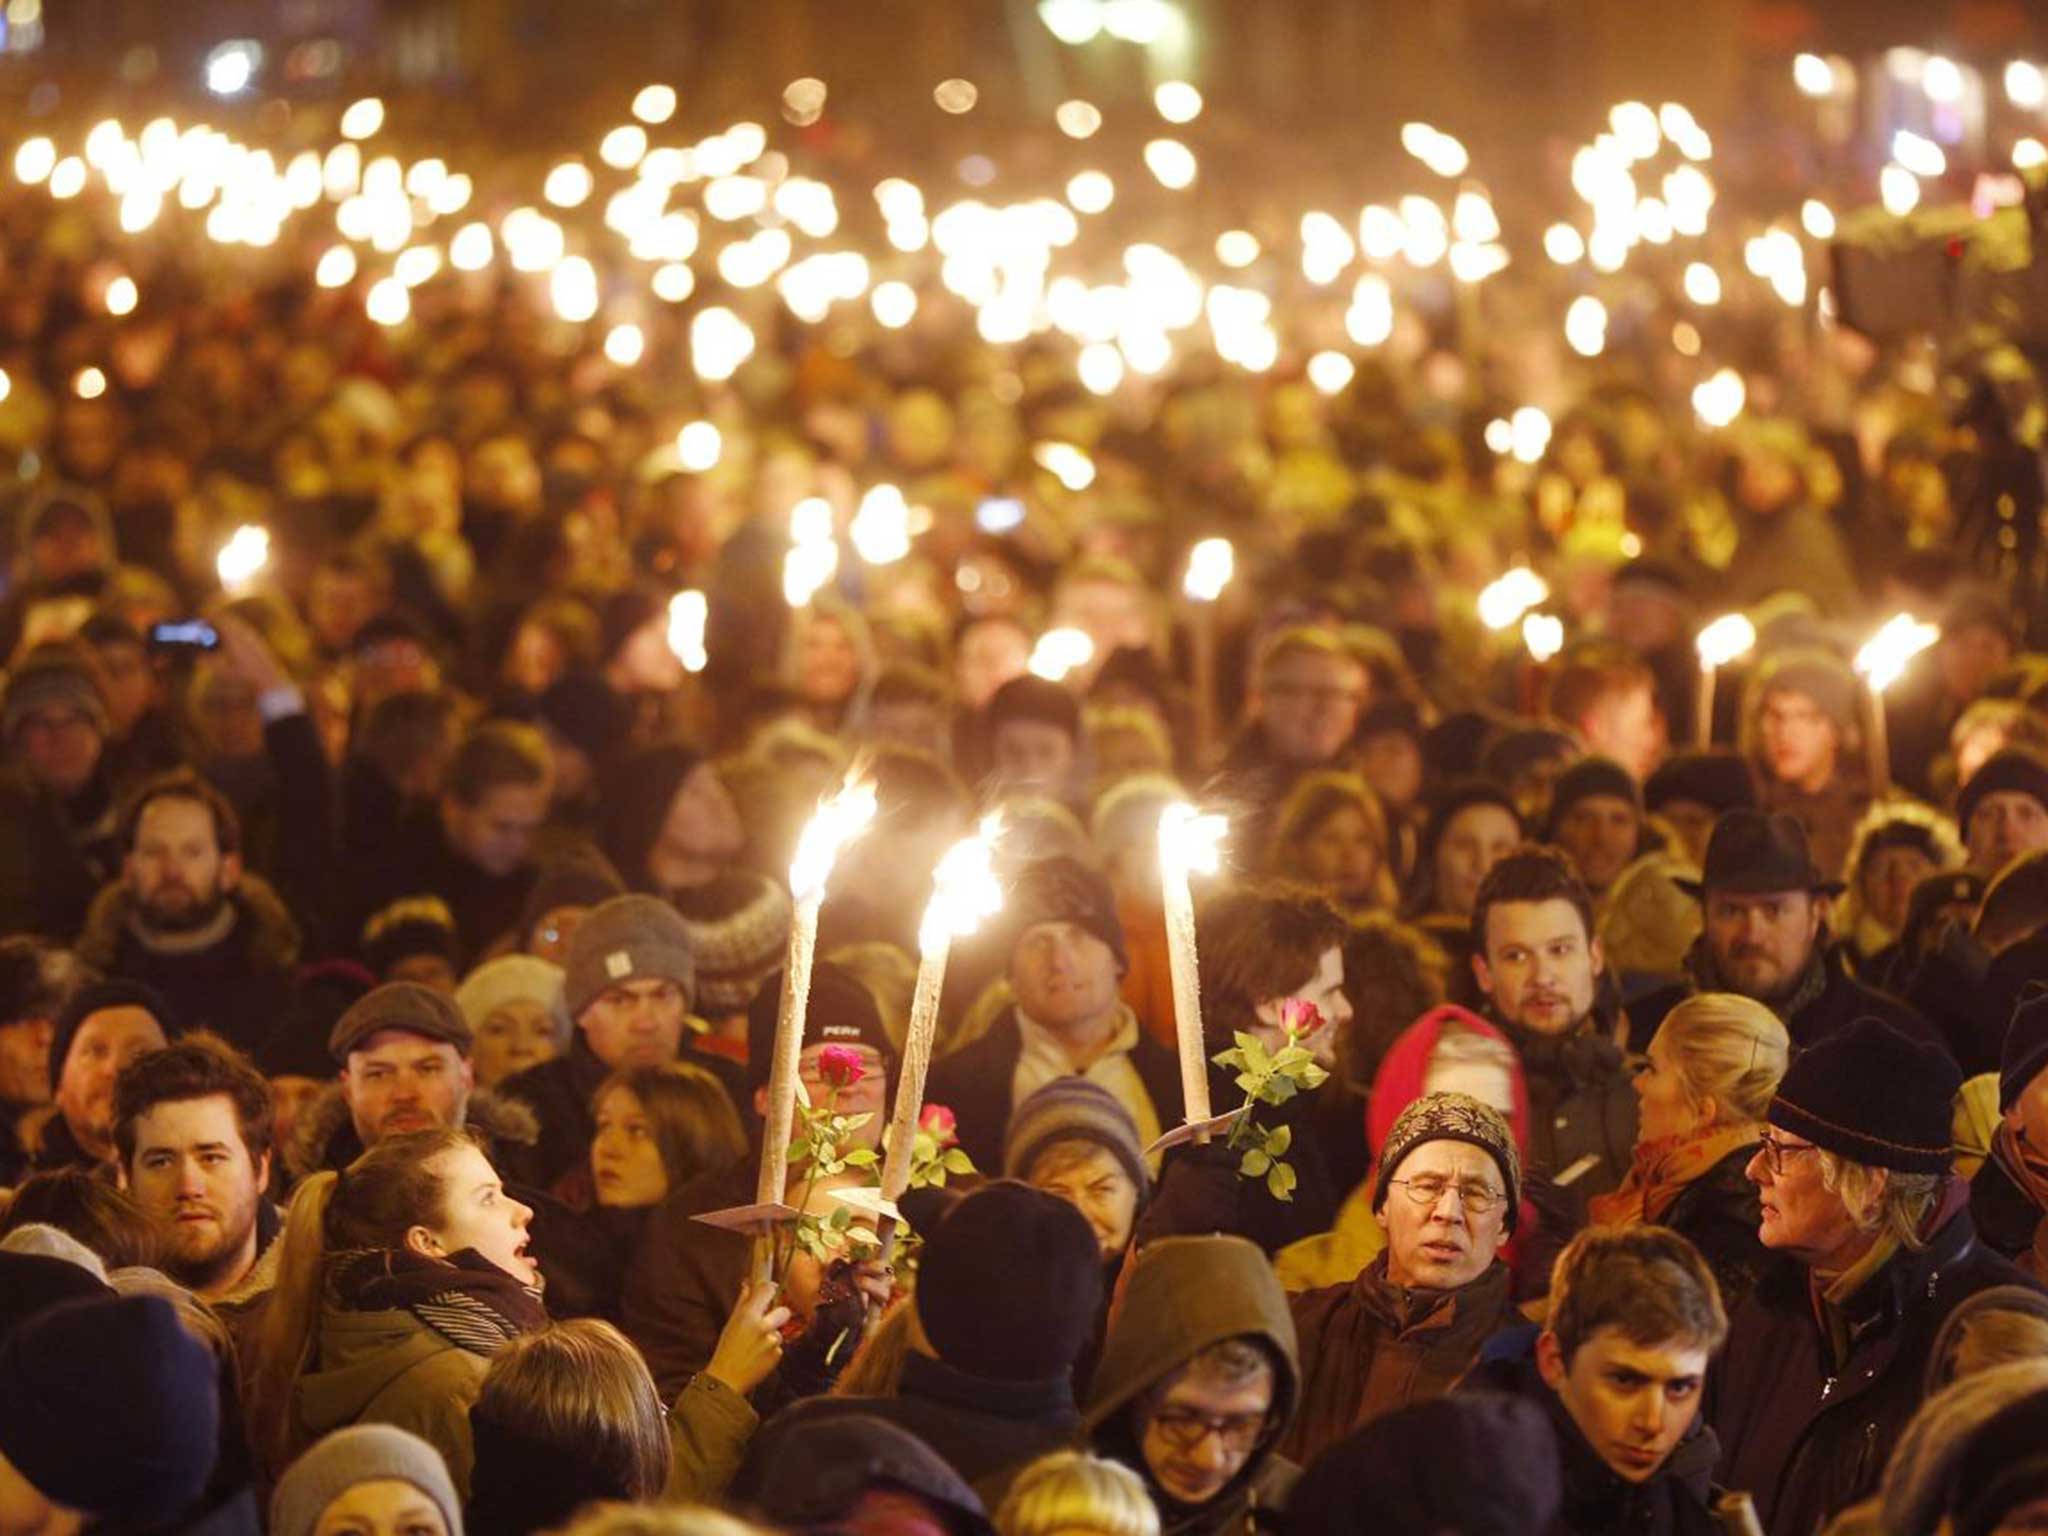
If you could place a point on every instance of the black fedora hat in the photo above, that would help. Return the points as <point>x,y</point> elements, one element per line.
<point>1754,853</point>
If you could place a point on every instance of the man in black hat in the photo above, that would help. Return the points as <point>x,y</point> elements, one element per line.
<point>1766,937</point>
<point>1066,963</point>
<point>2003,810</point>
<point>1873,1249</point>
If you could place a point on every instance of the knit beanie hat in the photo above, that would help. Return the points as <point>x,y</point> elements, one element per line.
<point>583,878</point>
<point>2003,1467</point>
<point>111,1408</point>
<point>1460,795</point>
<point>841,1011</point>
<point>403,1005</point>
<point>814,1470</point>
<point>2015,770</point>
<point>739,931</point>
<point>1063,890</point>
<point>45,1241</point>
<point>629,938</point>
<point>513,979</point>
<point>1452,1117</point>
<point>2025,1052</point>
<point>1035,700</point>
<point>1515,751</point>
<point>1009,1284</point>
<point>1719,778</point>
<point>1872,1094</point>
<point>409,927</point>
<point>49,675</point>
<point>1473,1461</point>
<point>1819,674</point>
<point>1074,1109</point>
<point>1589,777</point>
<point>37,1272</point>
<point>97,998</point>
<point>362,1453</point>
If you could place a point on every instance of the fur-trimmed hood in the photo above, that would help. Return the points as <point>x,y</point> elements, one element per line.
<point>325,1132</point>
<point>272,933</point>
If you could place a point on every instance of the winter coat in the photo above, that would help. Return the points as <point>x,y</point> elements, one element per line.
<point>390,1368</point>
<point>975,1083</point>
<point>985,1430</point>
<point>1678,1501</point>
<point>1719,1213</point>
<point>1841,1000</point>
<point>1370,1347</point>
<point>685,1278</point>
<point>1582,1113</point>
<point>418,861</point>
<point>1187,1297</point>
<point>239,986</point>
<point>52,863</point>
<point>1806,1436</point>
<point>2005,1218</point>
<point>559,1092</point>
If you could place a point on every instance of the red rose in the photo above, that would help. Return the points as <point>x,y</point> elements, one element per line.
<point>939,1122</point>
<point>1300,1016</point>
<point>839,1066</point>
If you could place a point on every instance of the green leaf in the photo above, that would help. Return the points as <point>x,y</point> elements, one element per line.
<point>1245,1042</point>
<point>1313,1076</point>
<point>1292,1059</point>
<point>800,1148</point>
<point>1280,1182</point>
<point>855,1122</point>
<point>840,1219</point>
<point>865,1157</point>
<point>1255,1165</point>
<point>1280,1089</point>
<point>938,1177</point>
<point>1278,1141</point>
<point>1249,1084</point>
<point>957,1161</point>
<point>865,1235</point>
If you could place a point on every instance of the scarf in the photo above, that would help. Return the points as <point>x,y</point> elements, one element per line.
<point>1813,981</point>
<point>1663,1168</point>
<point>2029,1170</point>
<point>465,1298</point>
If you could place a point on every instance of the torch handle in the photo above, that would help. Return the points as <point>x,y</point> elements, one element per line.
<point>917,1060</point>
<point>1202,654</point>
<point>1879,744</point>
<point>1703,712</point>
<point>1187,994</point>
<point>782,1076</point>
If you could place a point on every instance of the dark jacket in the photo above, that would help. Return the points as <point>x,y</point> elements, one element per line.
<point>420,862</point>
<point>684,1278</point>
<point>985,1430</point>
<point>1370,1347</point>
<point>1581,1106</point>
<point>1185,1298</point>
<point>1718,1212</point>
<point>974,1082</point>
<point>53,857</point>
<point>1200,1189</point>
<point>559,1092</point>
<point>2005,1218</point>
<point>1841,1000</point>
<point>1677,1501</point>
<point>1808,1436</point>
<point>239,986</point>
<point>287,810</point>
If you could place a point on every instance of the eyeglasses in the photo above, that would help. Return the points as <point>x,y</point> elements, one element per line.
<point>1184,1429</point>
<point>1775,1152</point>
<point>1307,693</point>
<point>1477,1198</point>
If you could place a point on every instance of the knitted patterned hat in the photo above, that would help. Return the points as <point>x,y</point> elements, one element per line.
<point>1452,1117</point>
<point>1074,1109</point>
<point>52,675</point>
<point>1874,1095</point>
<point>629,938</point>
<point>739,929</point>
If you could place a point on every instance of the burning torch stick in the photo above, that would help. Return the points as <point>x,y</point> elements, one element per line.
<point>1211,563</point>
<point>965,892</point>
<point>1728,638</point>
<point>1188,841</point>
<point>687,615</point>
<point>242,559</point>
<point>1883,662</point>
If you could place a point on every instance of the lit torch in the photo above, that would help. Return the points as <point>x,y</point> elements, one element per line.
<point>1728,638</point>
<point>1058,652</point>
<point>1211,564</point>
<point>687,614</point>
<point>1188,842</point>
<point>243,557</point>
<point>1882,662</point>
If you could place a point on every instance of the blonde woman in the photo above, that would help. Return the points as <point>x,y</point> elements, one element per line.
<point>1701,1094</point>
<point>1071,1493</point>
<point>1331,833</point>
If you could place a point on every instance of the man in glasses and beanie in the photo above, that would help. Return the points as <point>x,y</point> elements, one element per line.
<point>1873,1247</point>
<point>1765,903</point>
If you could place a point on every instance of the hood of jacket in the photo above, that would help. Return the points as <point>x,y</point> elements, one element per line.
<point>1186,1294</point>
<point>326,1131</point>
<point>361,1355</point>
<point>262,921</point>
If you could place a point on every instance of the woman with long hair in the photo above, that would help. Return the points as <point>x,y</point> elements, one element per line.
<point>1331,832</point>
<point>397,1280</point>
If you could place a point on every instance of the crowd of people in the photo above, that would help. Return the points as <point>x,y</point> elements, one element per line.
<point>1648,1122</point>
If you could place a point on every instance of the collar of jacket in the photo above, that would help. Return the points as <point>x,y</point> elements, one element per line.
<point>1597,1498</point>
<point>1823,967</point>
<point>1908,1282</point>
<point>1582,1055</point>
<point>1404,1310</point>
<point>931,1378</point>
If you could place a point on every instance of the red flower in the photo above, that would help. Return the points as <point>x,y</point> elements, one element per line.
<point>1300,1016</point>
<point>938,1121</point>
<point>840,1066</point>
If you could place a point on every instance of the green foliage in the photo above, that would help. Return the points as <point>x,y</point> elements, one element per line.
<point>1273,1078</point>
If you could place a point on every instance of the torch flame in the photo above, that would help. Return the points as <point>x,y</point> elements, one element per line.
<point>1884,659</point>
<point>1514,594</point>
<point>1189,841</point>
<point>838,822</point>
<point>246,552</point>
<point>1727,638</point>
<point>687,612</point>
<point>1058,652</point>
<point>965,890</point>
<point>1211,564</point>
<point>1543,634</point>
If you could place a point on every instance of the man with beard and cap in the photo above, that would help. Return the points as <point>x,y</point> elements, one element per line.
<point>104,1027</point>
<point>628,990</point>
<point>1766,937</point>
<point>1596,816</point>
<point>36,980</point>
<point>57,842</point>
<point>1447,1193</point>
<point>193,1128</point>
<point>1066,962</point>
<point>186,917</point>
<point>1873,1249</point>
<point>1197,1383</point>
<point>1539,962</point>
<point>2003,810</point>
<point>686,1277</point>
<point>1621,1370</point>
